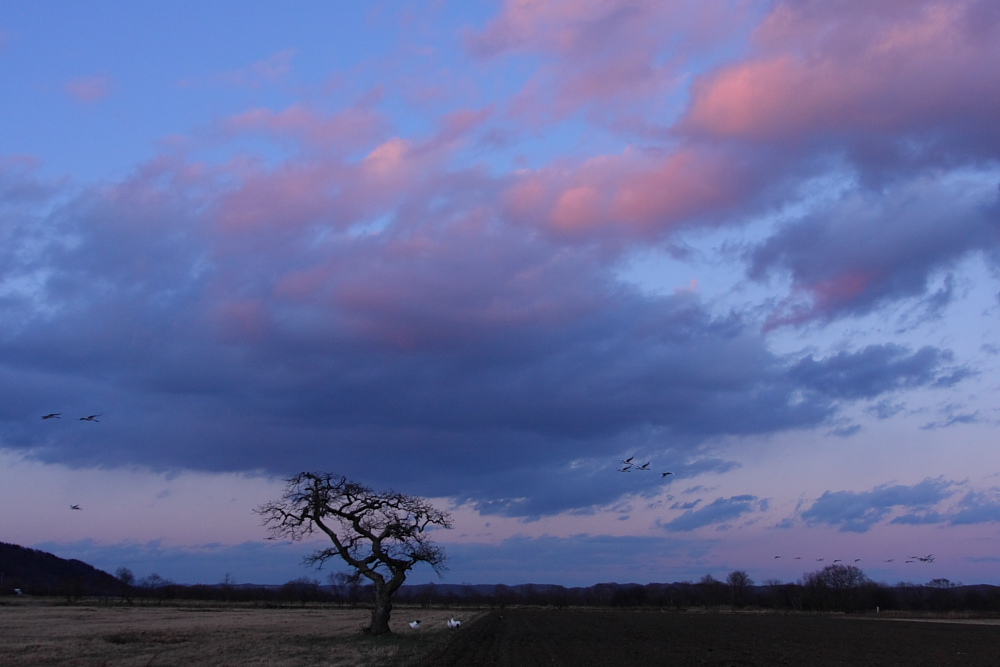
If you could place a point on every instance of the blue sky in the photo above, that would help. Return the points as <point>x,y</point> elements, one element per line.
<point>483,252</point>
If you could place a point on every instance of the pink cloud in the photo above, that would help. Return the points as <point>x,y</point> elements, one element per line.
<point>839,67</point>
<point>826,298</point>
<point>634,194</point>
<point>89,90</point>
<point>280,200</point>
<point>871,80</point>
<point>602,54</point>
<point>334,190</point>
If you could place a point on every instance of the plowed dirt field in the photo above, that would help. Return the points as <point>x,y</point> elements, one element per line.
<point>525,638</point>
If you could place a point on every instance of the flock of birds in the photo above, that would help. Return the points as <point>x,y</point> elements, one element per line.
<point>929,558</point>
<point>88,418</point>
<point>57,415</point>
<point>452,624</point>
<point>628,466</point>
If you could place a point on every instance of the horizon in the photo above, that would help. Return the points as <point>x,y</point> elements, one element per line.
<point>231,580</point>
<point>488,253</point>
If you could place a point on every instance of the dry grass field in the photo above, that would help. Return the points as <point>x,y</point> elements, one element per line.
<point>38,632</point>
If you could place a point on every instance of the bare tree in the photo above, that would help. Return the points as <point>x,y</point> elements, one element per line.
<point>126,581</point>
<point>739,586</point>
<point>381,535</point>
<point>836,587</point>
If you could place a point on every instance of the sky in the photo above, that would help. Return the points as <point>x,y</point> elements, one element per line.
<point>484,253</point>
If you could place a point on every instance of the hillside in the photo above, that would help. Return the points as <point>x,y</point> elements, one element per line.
<point>41,573</point>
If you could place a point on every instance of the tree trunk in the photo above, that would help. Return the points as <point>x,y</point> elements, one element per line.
<point>381,611</point>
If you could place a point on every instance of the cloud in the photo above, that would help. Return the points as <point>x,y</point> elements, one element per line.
<point>872,371</point>
<point>376,297</point>
<point>719,511</point>
<point>89,90</point>
<point>820,74</point>
<point>373,294</point>
<point>598,55</point>
<point>977,507</point>
<point>857,512</point>
<point>872,248</point>
<point>966,418</point>
<point>886,409</point>
<point>846,431</point>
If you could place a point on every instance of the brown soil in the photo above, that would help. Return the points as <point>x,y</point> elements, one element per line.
<point>524,638</point>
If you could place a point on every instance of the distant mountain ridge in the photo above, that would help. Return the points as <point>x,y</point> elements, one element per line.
<point>37,572</point>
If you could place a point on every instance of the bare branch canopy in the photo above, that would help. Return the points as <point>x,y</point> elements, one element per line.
<point>381,535</point>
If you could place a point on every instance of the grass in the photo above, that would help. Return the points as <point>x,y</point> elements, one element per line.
<point>41,632</point>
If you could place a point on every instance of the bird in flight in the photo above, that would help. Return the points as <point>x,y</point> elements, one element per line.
<point>52,415</point>
<point>91,418</point>
<point>929,558</point>
<point>628,461</point>
<point>664,474</point>
<point>625,469</point>
<point>74,507</point>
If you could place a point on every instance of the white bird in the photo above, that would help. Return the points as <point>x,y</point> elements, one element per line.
<point>414,624</point>
<point>452,623</point>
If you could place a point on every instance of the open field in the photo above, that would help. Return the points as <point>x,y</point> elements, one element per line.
<point>525,638</point>
<point>43,633</point>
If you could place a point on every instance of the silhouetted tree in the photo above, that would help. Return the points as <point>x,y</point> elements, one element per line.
<point>126,580</point>
<point>739,587</point>
<point>301,590</point>
<point>157,587</point>
<point>712,591</point>
<point>380,535</point>
<point>836,587</point>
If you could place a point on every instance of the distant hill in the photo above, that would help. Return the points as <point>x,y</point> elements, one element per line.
<point>41,573</point>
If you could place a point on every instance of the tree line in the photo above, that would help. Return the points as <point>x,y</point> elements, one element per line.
<point>835,588</point>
